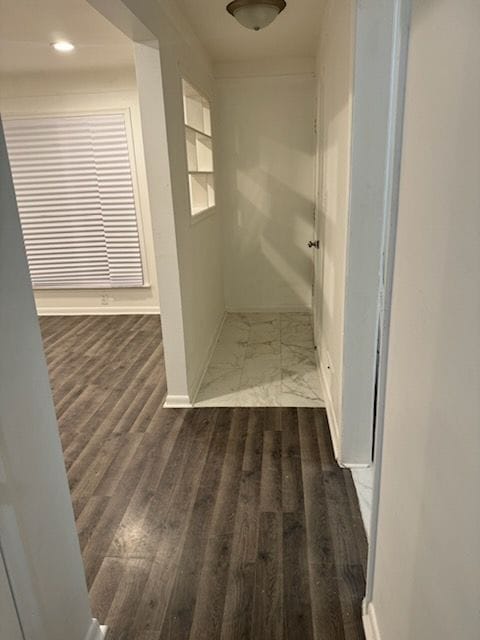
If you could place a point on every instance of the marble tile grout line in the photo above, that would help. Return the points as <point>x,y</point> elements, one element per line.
<point>258,375</point>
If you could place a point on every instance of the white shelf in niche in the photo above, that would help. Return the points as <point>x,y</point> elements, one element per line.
<point>199,151</point>
<point>202,192</point>
<point>196,109</point>
<point>198,136</point>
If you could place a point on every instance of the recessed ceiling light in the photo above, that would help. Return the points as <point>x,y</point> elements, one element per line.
<point>63,46</point>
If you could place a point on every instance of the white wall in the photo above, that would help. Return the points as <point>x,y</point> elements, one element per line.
<point>9,622</point>
<point>79,92</point>
<point>199,245</point>
<point>149,76</point>
<point>426,581</point>
<point>37,529</point>
<point>368,212</point>
<point>335,85</point>
<point>264,167</point>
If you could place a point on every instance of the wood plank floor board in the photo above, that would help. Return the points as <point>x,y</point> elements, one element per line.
<point>270,575</point>
<point>297,604</point>
<point>319,535</point>
<point>240,587</point>
<point>199,524</point>
<point>292,482</point>
<point>179,616</point>
<point>271,482</point>
<point>209,606</point>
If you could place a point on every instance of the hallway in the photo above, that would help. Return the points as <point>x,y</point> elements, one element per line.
<point>263,360</point>
<point>199,523</point>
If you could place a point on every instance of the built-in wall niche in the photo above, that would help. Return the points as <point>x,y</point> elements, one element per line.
<point>198,136</point>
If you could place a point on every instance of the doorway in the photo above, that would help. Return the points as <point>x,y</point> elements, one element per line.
<point>270,469</point>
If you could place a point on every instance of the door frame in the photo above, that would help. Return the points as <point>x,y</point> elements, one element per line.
<point>401,35</point>
<point>318,254</point>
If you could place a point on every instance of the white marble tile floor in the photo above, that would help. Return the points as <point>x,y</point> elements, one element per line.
<point>263,360</point>
<point>363,481</point>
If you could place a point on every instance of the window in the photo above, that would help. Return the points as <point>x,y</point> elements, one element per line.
<point>198,135</point>
<point>74,188</point>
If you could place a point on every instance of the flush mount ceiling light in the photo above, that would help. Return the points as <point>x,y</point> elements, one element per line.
<point>63,46</point>
<point>255,14</point>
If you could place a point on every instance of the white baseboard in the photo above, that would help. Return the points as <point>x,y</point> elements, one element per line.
<point>332,418</point>
<point>285,309</point>
<point>370,624</point>
<point>96,631</point>
<point>358,465</point>
<point>185,402</point>
<point>177,402</point>
<point>199,379</point>
<point>98,311</point>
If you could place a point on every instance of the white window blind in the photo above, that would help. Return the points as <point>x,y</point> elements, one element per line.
<point>73,183</point>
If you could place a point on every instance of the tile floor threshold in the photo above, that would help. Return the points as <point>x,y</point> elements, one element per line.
<point>363,480</point>
<point>263,360</point>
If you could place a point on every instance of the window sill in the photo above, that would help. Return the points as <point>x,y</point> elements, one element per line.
<point>90,287</point>
<point>201,215</point>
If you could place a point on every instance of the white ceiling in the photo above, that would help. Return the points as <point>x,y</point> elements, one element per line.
<point>27,27</point>
<point>294,33</point>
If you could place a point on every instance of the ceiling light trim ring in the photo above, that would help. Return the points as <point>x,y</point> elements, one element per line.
<point>237,4</point>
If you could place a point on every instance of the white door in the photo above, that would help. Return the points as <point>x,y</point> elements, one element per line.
<point>319,202</point>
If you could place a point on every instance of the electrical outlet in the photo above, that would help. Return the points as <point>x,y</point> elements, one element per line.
<point>105,299</point>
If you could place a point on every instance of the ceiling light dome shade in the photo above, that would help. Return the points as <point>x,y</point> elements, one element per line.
<point>256,14</point>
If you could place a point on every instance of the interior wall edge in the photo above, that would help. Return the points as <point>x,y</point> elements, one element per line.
<point>332,420</point>
<point>40,545</point>
<point>370,624</point>
<point>370,141</point>
<point>202,370</point>
<point>154,132</point>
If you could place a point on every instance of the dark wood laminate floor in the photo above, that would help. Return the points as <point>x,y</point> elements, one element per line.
<point>199,523</point>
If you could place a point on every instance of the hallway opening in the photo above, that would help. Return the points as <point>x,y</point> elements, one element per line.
<point>199,523</point>
<point>183,440</point>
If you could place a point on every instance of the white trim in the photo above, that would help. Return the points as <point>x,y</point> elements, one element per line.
<point>285,309</point>
<point>401,35</point>
<point>332,418</point>
<point>198,382</point>
<point>355,465</point>
<point>96,631</point>
<point>177,402</point>
<point>370,624</point>
<point>97,311</point>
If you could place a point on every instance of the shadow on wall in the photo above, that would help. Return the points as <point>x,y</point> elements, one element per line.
<point>271,239</point>
<point>265,172</point>
<point>334,119</point>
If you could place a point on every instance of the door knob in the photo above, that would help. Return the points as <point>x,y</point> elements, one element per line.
<point>313,244</point>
